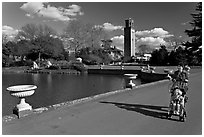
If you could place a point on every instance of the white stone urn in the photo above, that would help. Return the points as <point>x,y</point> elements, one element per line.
<point>130,77</point>
<point>22,91</point>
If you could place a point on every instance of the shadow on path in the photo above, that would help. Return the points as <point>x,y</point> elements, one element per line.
<point>147,110</point>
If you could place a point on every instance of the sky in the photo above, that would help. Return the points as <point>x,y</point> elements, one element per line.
<point>155,23</point>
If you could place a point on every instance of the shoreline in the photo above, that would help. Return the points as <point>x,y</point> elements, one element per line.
<point>25,69</point>
<point>11,117</point>
<point>138,111</point>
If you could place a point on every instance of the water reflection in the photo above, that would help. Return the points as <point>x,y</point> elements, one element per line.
<point>35,77</point>
<point>56,88</point>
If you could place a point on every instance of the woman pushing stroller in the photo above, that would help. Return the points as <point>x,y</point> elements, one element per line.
<point>180,78</point>
<point>178,90</point>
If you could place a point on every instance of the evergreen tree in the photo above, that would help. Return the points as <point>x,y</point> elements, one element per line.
<point>159,57</point>
<point>193,48</point>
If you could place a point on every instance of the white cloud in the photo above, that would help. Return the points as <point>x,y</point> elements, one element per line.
<point>118,41</point>
<point>151,41</point>
<point>32,7</point>
<point>185,23</point>
<point>154,38</point>
<point>109,27</point>
<point>156,32</point>
<point>9,30</point>
<point>72,10</point>
<point>47,11</point>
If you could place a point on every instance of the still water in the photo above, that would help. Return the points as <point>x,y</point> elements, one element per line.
<point>56,88</point>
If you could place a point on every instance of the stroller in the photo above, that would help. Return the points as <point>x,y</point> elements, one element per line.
<point>177,101</point>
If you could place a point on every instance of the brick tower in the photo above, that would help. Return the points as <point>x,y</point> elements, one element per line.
<point>129,40</point>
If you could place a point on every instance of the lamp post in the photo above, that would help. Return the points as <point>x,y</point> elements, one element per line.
<point>22,91</point>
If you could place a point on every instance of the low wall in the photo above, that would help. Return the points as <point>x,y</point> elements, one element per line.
<point>151,77</point>
<point>113,71</point>
<point>144,76</point>
<point>11,117</point>
<point>47,71</point>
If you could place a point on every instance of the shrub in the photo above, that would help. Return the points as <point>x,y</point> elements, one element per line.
<point>21,63</point>
<point>78,66</point>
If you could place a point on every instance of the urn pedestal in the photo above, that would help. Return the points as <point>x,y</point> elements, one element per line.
<point>129,79</point>
<point>22,91</point>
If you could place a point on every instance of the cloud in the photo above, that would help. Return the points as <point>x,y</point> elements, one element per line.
<point>42,9</point>
<point>185,23</point>
<point>72,10</point>
<point>9,30</point>
<point>156,32</point>
<point>118,41</point>
<point>151,41</point>
<point>109,27</point>
<point>154,38</point>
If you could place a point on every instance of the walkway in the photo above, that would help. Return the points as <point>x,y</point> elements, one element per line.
<point>139,111</point>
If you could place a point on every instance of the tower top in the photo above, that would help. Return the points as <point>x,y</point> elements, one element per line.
<point>129,22</point>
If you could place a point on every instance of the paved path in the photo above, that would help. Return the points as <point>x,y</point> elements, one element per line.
<point>135,112</point>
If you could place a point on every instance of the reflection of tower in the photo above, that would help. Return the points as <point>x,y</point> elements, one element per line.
<point>129,40</point>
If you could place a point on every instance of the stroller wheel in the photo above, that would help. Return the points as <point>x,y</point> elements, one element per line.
<point>169,114</point>
<point>183,116</point>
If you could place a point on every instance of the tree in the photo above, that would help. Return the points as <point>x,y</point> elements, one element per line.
<point>4,38</point>
<point>159,57</point>
<point>106,43</point>
<point>83,35</point>
<point>178,57</point>
<point>46,47</point>
<point>144,48</point>
<point>23,48</point>
<point>33,31</point>
<point>9,50</point>
<point>194,47</point>
<point>38,41</point>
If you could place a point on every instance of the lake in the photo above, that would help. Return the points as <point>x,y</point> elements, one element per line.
<point>57,88</point>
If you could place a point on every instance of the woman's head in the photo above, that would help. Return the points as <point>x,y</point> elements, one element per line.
<point>180,68</point>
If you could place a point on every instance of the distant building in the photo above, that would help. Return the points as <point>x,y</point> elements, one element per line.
<point>129,40</point>
<point>143,58</point>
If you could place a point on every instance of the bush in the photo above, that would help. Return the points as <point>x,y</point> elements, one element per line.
<point>53,67</point>
<point>63,64</point>
<point>89,62</point>
<point>21,63</point>
<point>78,66</point>
<point>6,61</point>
